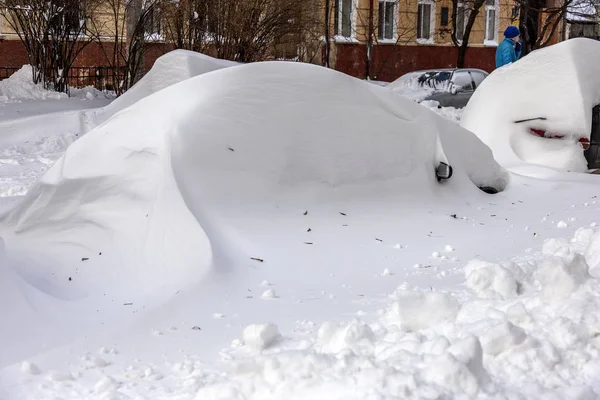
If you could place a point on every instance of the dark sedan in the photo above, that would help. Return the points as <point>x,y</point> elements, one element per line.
<point>450,87</point>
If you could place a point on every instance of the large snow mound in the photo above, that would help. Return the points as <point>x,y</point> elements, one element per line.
<point>551,90</point>
<point>20,86</point>
<point>169,69</point>
<point>141,201</point>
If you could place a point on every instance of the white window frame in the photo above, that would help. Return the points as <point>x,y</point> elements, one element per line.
<point>465,15</point>
<point>156,22</point>
<point>431,39</point>
<point>486,40</point>
<point>339,37</point>
<point>395,21</point>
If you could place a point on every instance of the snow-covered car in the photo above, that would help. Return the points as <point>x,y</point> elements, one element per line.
<point>527,121</point>
<point>450,87</point>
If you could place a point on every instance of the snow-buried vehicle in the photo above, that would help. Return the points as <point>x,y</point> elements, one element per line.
<point>146,199</point>
<point>540,110</point>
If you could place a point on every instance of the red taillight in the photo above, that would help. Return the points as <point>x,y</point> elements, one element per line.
<point>539,132</point>
<point>585,143</point>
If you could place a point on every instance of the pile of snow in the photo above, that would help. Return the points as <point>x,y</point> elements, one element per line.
<point>20,86</point>
<point>522,330</point>
<point>169,69</point>
<point>34,143</point>
<point>552,91</point>
<point>419,85</point>
<point>449,113</point>
<point>90,93</point>
<point>141,201</point>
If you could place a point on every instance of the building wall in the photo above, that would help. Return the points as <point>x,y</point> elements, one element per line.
<point>390,62</point>
<point>13,54</point>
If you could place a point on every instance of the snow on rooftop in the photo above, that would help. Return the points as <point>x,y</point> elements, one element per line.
<point>551,90</point>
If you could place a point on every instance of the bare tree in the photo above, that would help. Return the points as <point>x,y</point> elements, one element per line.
<point>239,30</point>
<point>123,30</point>
<point>54,32</point>
<point>186,23</point>
<point>461,31</point>
<point>540,21</point>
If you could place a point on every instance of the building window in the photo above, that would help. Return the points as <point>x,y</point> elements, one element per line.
<point>491,26</point>
<point>153,23</point>
<point>444,17</point>
<point>387,19</point>
<point>462,17</point>
<point>343,18</point>
<point>424,20</point>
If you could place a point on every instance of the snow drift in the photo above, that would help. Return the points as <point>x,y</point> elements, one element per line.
<point>169,69</point>
<point>19,86</point>
<point>145,200</point>
<point>537,109</point>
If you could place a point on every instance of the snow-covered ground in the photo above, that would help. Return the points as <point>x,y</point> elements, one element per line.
<point>275,231</point>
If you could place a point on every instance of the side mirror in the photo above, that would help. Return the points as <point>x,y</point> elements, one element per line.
<point>453,89</point>
<point>443,171</point>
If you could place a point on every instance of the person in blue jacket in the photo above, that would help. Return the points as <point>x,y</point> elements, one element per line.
<point>509,50</point>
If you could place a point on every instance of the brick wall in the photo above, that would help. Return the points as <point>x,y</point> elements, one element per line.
<point>13,54</point>
<point>390,62</point>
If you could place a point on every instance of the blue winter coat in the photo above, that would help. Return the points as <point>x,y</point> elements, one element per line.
<point>506,52</point>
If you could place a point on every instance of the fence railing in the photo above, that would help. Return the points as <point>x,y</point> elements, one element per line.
<point>102,78</point>
<point>5,72</point>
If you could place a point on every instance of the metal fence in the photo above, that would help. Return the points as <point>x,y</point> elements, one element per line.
<point>102,78</point>
<point>5,72</point>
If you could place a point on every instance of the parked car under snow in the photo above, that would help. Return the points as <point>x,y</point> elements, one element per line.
<point>449,87</point>
<point>543,109</point>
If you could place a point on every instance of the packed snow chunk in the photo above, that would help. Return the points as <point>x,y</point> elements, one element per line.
<point>106,384</point>
<point>451,374</point>
<point>578,393</point>
<point>502,337</point>
<point>169,69</point>
<point>525,120</point>
<point>20,86</point>
<point>260,336</point>
<point>556,247</point>
<point>518,314</point>
<point>268,294</point>
<point>145,199</point>
<point>592,255</point>
<point>562,225</point>
<point>490,280</point>
<point>29,368</point>
<point>416,311</point>
<point>470,353</point>
<point>333,338</point>
<point>562,276</point>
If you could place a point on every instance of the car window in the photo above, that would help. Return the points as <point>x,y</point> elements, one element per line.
<point>435,79</point>
<point>462,81</point>
<point>478,77</point>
